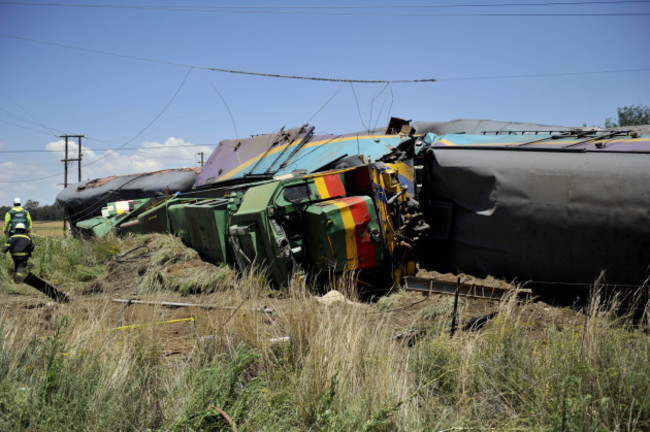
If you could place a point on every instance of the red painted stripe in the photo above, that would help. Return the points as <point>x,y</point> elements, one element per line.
<point>365,245</point>
<point>334,185</point>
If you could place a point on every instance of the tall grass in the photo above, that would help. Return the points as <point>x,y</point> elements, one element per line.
<point>66,261</point>
<point>323,367</point>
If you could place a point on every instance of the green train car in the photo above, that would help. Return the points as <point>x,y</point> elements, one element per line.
<point>555,209</point>
<point>326,223</point>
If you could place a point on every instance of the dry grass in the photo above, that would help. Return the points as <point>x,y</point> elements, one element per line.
<point>47,228</point>
<point>316,366</point>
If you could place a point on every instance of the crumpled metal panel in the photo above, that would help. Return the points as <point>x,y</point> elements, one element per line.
<point>286,152</point>
<point>86,199</point>
<point>240,157</point>
<point>551,216</point>
<point>541,141</point>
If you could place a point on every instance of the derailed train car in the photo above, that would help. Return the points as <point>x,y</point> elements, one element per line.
<point>551,207</point>
<point>325,223</point>
<point>559,210</point>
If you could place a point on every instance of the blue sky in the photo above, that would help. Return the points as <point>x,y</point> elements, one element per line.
<point>160,113</point>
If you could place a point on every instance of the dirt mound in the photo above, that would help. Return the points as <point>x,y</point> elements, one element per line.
<point>465,279</point>
<point>123,278</point>
<point>160,263</point>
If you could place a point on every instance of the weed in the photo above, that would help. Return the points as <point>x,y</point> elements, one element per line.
<point>307,366</point>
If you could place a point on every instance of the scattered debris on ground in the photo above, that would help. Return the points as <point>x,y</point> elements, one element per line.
<point>181,316</point>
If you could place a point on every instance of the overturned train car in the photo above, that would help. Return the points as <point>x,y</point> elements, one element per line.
<point>559,211</point>
<point>558,208</point>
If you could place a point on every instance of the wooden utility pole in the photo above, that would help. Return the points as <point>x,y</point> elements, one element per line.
<point>65,169</point>
<point>201,154</point>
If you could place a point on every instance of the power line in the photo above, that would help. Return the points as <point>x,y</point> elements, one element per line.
<point>178,90</point>
<point>366,13</point>
<point>325,104</point>
<point>316,9</point>
<point>314,78</point>
<point>110,149</point>
<point>262,74</point>
<point>342,80</point>
<point>30,118</point>
<point>27,128</point>
<point>550,74</point>
<point>232,118</point>
<point>96,51</point>
<point>474,15</point>
<point>123,145</point>
<point>356,100</point>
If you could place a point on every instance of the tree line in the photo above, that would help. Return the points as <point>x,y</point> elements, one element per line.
<point>632,115</point>
<point>38,212</point>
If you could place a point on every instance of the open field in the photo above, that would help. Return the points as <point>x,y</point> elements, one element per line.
<point>47,228</point>
<point>296,359</point>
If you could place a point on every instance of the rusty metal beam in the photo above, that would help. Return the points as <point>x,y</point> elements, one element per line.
<point>263,309</point>
<point>434,286</point>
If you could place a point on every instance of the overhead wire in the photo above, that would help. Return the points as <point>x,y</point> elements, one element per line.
<point>232,118</point>
<point>343,80</point>
<point>92,206</point>
<point>152,121</point>
<point>356,100</point>
<point>200,8</point>
<point>214,69</point>
<point>372,105</point>
<point>548,74</point>
<point>322,10</point>
<point>110,149</point>
<point>383,104</point>
<point>119,147</point>
<point>313,78</point>
<point>29,119</point>
<point>392,99</point>
<point>324,105</point>
<point>472,15</point>
<point>27,128</point>
<point>351,81</point>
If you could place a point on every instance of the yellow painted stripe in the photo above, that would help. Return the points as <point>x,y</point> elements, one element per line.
<point>278,149</point>
<point>321,187</point>
<point>154,323</point>
<point>326,173</point>
<point>350,236</point>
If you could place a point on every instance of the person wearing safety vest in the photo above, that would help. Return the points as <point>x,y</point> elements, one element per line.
<point>15,216</point>
<point>20,245</point>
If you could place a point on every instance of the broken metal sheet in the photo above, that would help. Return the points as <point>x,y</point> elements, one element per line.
<point>601,143</point>
<point>555,216</point>
<point>432,286</point>
<point>239,157</point>
<point>478,126</point>
<point>86,199</point>
<point>289,151</point>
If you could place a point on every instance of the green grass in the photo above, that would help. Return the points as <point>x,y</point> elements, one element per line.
<point>340,369</point>
<point>65,261</point>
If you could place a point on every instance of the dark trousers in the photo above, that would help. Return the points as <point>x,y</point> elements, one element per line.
<point>19,268</point>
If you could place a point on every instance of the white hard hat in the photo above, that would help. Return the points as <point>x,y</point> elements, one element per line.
<point>21,226</point>
<point>16,201</point>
